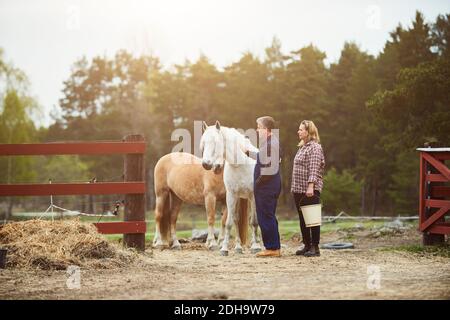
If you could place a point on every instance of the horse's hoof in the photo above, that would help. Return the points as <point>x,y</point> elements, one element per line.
<point>238,250</point>
<point>224,253</point>
<point>176,247</point>
<point>213,248</point>
<point>255,250</point>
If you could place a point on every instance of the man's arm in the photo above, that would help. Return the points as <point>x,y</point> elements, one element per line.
<point>249,149</point>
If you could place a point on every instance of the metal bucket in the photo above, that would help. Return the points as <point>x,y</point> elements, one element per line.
<point>3,258</point>
<point>312,214</point>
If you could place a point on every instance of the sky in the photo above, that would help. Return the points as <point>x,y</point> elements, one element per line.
<point>45,37</point>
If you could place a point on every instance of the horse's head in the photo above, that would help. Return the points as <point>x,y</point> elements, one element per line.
<point>212,146</point>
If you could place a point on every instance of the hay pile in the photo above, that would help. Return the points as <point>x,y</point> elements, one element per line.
<point>55,245</point>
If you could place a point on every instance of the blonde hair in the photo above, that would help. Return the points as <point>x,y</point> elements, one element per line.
<point>313,132</point>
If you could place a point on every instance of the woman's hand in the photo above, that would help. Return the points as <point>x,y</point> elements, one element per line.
<point>310,190</point>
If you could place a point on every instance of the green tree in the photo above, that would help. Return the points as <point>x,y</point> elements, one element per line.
<point>406,48</point>
<point>342,192</point>
<point>413,112</point>
<point>245,92</point>
<point>441,35</point>
<point>404,186</point>
<point>351,83</point>
<point>202,87</point>
<point>16,125</point>
<point>417,107</point>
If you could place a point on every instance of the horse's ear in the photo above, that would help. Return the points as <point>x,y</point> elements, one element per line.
<point>217,125</point>
<point>204,126</point>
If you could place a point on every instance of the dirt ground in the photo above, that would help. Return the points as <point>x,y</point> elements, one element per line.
<point>196,273</point>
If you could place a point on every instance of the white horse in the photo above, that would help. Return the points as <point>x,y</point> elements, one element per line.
<point>225,146</point>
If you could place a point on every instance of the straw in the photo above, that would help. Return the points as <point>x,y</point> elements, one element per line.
<point>54,245</point>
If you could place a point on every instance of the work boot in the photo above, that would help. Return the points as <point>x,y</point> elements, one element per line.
<point>269,253</point>
<point>313,251</point>
<point>301,252</point>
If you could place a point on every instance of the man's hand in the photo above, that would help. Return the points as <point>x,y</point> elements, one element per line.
<point>310,190</point>
<point>247,146</point>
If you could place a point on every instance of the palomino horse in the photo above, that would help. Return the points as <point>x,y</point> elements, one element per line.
<point>179,177</point>
<point>227,144</point>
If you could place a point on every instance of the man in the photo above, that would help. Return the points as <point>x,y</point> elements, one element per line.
<point>267,186</point>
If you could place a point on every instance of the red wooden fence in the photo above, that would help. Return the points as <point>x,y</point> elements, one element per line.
<point>133,187</point>
<point>434,203</point>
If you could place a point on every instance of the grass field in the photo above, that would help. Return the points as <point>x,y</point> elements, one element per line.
<point>287,228</point>
<point>192,218</point>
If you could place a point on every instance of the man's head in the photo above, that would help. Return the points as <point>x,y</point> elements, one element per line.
<point>264,126</point>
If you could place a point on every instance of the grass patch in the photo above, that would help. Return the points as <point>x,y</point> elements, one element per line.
<point>349,237</point>
<point>437,250</point>
<point>287,228</point>
<point>191,219</point>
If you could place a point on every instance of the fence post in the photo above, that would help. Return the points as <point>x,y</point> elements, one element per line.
<point>134,170</point>
<point>430,239</point>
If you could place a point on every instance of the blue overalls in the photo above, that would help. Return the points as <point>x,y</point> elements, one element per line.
<point>267,191</point>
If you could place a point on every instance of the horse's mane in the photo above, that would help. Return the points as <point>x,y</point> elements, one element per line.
<point>235,134</point>
<point>236,139</point>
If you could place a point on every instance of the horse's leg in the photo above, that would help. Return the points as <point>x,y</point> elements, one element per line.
<point>223,222</point>
<point>236,217</point>
<point>255,242</point>
<point>210,205</point>
<point>161,205</point>
<point>175,209</point>
<point>231,208</point>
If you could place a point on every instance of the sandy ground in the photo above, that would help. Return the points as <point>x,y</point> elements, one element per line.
<point>196,273</point>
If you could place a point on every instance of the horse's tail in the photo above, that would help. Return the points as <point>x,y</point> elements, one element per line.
<point>243,220</point>
<point>164,226</point>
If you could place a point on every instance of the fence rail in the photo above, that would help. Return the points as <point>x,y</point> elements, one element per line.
<point>73,148</point>
<point>59,189</point>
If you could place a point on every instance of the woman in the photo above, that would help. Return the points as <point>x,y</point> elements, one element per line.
<point>307,182</point>
<point>267,186</point>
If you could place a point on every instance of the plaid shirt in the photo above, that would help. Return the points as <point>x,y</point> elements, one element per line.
<point>309,164</point>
